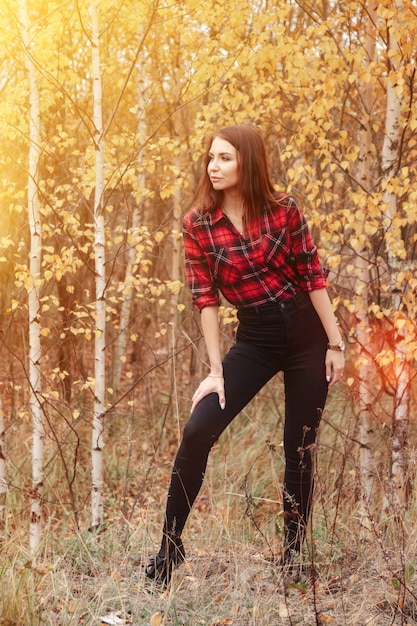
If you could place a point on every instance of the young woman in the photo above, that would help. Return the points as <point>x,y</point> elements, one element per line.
<point>253,245</point>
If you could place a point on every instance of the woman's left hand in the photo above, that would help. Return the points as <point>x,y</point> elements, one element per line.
<point>335,365</point>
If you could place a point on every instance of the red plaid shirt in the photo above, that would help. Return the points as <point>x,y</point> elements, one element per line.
<point>272,266</point>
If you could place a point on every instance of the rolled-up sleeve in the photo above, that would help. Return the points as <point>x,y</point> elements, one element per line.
<point>198,275</point>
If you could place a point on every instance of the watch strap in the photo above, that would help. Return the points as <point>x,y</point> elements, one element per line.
<point>338,346</point>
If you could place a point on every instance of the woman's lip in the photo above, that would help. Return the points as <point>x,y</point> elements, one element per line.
<point>214,179</point>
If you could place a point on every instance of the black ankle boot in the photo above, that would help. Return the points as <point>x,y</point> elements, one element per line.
<point>171,554</point>
<point>294,570</point>
<point>293,567</point>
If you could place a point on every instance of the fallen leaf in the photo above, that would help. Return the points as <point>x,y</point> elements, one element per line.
<point>156,619</point>
<point>114,620</point>
<point>111,619</point>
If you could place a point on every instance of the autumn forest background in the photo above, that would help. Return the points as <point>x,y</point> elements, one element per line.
<point>105,110</point>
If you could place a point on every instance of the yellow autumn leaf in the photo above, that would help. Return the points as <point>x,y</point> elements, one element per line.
<point>174,286</point>
<point>156,619</point>
<point>400,323</point>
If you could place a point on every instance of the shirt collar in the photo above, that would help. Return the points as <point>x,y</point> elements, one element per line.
<point>213,217</point>
<point>217,215</point>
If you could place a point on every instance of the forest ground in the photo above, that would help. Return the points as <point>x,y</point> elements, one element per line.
<point>233,535</point>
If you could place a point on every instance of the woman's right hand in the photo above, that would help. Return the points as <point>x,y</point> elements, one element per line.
<point>211,384</point>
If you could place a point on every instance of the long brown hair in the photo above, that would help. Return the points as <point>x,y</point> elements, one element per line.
<point>256,186</point>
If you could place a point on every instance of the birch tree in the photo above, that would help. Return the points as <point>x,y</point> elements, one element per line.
<point>3,476</point>
<point>126,306</point>
<point>363,279</point>
<point>33,286</point>
<point>133,241</point>
<point>391,159</point>
<point>97,515</point>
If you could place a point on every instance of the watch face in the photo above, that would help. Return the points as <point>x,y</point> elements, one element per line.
<point>342,345</point>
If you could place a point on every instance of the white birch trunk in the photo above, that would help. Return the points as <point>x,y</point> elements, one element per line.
<point>97,514</point>
<point>363,280</point>
<point>126,308</point>
<point>365,401</point>
<point>3,477</point>
<point>397,479</point>
<point>38,433</point>
<point>176,236</point>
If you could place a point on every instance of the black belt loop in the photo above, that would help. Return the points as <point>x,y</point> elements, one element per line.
<point>293,303</point>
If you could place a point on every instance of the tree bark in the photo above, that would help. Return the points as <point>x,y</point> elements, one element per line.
<point>38,432</point>
<point>3,478</point>
<point>397,478</point>
<point>363,282</point>
<point>176,230</point>
<point>126,306</point>
<point>97,513</point>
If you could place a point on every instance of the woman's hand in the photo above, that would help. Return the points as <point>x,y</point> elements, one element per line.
<point>211,384</point>
<point>335,364</point>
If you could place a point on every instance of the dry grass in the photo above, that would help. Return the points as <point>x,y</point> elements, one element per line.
<point>229,576</point>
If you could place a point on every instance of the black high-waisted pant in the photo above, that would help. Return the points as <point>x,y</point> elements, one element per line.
<point>288,337</point>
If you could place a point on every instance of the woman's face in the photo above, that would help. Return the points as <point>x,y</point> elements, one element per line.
<point>223,166</point>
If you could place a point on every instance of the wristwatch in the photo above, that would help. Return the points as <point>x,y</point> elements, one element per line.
<point>340,347</point>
